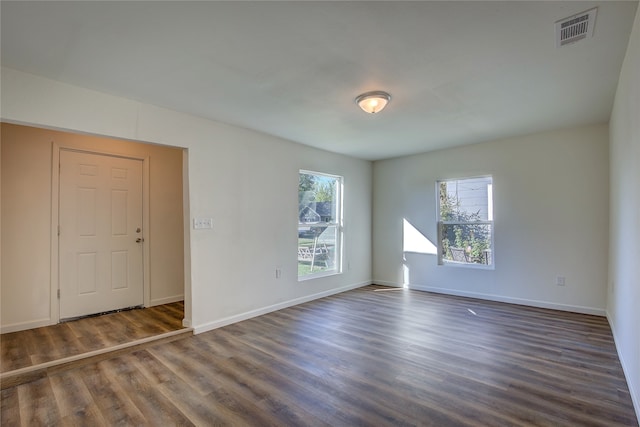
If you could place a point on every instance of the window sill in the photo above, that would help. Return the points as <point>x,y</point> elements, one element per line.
<point>318,275</point>
<point>458,264</point>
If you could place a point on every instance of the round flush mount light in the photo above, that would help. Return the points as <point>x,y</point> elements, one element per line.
<point>373,102</point>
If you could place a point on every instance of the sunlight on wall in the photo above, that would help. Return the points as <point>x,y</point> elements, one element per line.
<point>406,279</point>
<point>414,241</point>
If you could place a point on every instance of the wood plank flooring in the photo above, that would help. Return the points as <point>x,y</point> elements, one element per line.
<point>365,358</point>
<point>35,346</point>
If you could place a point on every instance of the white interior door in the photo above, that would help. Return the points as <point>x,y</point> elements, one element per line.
<point>100,243</point>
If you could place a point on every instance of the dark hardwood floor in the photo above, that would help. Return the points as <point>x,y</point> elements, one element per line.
<point>361,358</point>
<point>35,346</point>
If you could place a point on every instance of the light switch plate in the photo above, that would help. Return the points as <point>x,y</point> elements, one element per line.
<point>202,223</point>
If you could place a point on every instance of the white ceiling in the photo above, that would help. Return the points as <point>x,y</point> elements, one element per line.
<point>458,72</point>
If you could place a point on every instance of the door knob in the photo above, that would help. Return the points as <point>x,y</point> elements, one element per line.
<point>139,240</point>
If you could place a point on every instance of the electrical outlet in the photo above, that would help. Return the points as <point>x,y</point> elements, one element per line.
<point>278,273</point>
<point>202,223</point>
<point>560,280</point>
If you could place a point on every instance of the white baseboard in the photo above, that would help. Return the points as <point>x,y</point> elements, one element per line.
<point>32,324</point>
<point>635,393</point>
<point>260,311</point>
<point>513,300</point>
<point>166,300</point>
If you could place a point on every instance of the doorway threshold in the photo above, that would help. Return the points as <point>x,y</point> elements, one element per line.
<point>88,316</point>
<point>33,373</point>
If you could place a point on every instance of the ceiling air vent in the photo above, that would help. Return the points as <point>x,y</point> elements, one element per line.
<point>576,27</point>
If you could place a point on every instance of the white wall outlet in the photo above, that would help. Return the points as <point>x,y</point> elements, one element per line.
<point>202,223</point>
<point>278,272</point>
<point>560,280</point>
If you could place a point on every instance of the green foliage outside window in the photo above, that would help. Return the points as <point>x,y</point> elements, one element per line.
<point>474,239</point>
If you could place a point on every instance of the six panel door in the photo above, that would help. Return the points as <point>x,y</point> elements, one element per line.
<point>100,243</point>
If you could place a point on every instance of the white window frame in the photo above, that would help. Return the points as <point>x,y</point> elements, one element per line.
<point>338,223</point>
<point>441,224</point>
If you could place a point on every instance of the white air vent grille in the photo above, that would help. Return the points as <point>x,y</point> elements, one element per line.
<point>576,27</point>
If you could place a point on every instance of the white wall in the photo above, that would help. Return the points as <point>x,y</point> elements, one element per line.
<point>623,308</point>
<point>550,212</point>
<point>246,181</point>
<point>27,197</point>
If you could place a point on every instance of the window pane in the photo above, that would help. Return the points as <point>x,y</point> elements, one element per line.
<point>466,243</point>
<point>466,200</point>
<point>317,198</point>
<point>317,249</point>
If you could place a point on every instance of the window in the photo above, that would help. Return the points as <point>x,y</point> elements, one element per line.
<point>465,222</point>
<point>319,225</point>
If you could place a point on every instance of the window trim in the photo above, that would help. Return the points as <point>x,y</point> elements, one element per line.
<point>439,225</point>
<point>338,223</point>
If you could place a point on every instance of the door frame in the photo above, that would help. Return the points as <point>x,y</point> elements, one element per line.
<point>55,221</point>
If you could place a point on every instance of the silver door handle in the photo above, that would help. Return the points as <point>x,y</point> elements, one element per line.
<point>139,240</point>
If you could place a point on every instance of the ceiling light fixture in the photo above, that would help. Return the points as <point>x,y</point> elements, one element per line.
<point>373,102</point>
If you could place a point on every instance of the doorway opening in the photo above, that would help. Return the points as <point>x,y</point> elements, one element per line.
<point>32,271</point>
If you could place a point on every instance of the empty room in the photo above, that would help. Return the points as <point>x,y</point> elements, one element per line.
<point>320,213</point>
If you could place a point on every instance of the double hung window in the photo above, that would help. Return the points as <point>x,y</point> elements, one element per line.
<point>465,222</point>
<point>319,224</point>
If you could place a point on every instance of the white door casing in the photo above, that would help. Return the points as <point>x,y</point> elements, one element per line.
<point>101,233</point>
